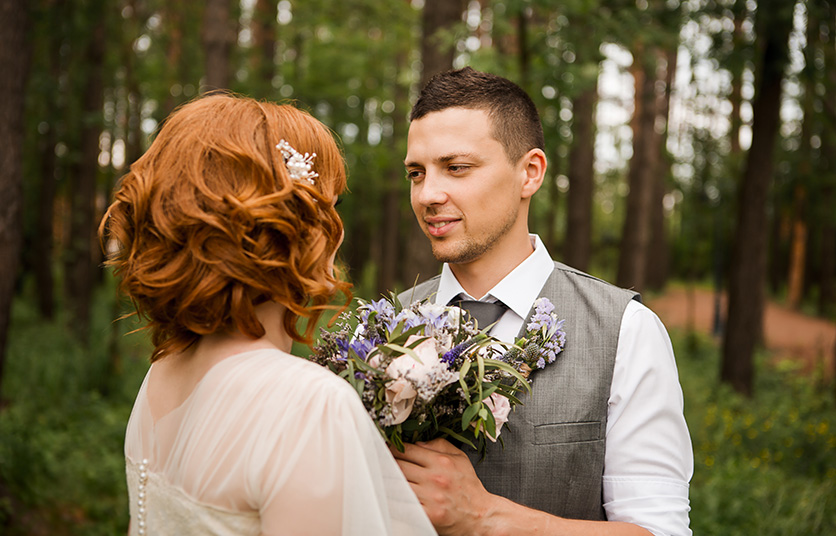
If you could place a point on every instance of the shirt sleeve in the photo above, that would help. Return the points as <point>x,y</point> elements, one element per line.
<point>649,458</point>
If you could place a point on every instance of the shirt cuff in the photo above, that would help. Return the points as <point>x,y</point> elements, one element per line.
<point>659,505</point>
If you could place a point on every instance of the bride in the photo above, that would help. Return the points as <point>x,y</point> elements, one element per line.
<point>224,235</point>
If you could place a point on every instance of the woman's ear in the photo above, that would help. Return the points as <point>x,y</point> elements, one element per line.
<point>534,165</point>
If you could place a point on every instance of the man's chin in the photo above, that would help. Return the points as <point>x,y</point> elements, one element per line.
<point>456,256</point>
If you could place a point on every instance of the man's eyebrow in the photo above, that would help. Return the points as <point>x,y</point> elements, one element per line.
<point>443,159</point>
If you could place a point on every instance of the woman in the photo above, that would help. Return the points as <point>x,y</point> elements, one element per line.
<point>224,235</point>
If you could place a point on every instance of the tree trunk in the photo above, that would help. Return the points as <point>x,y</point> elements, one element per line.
<point>798,249</point>
<point>436,57</point>
<point>635,238</point>
<point>393,185</point>
<point>578,245</point>
<point>14,64</point>
<point>827,198</point>
<point>658,252</point>
<point>804,177</point>
<point>264,47</point>
<point>438,17</point>
<point>42,242</point>
<point>522,43</point>
<point>173,23</point>
<point>218,38</point>
<point>80,267</point>
<point>748,266</point>
<point>736,70</point>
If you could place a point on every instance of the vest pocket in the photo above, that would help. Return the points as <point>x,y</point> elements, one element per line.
<point>568,432</point>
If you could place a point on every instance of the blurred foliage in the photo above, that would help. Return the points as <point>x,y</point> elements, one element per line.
<point>763,465</point>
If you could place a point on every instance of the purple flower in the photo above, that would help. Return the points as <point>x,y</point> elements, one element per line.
<point>362,347</point>
<point>451,355</point>
<point>342,346</point>
<point>543,306</point>
<point>384,309</point>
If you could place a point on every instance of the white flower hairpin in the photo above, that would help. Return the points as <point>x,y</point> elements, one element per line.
<point>298,165</point>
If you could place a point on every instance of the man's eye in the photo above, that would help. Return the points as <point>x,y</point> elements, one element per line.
<point>414,174</point>
<point>455,168</point>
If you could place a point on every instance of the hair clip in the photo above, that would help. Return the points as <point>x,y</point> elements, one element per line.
<point>298,165</point>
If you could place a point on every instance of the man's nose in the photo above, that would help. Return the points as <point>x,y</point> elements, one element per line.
<point>430,191</point>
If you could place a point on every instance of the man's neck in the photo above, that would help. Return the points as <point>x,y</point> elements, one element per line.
<point>478,277</point>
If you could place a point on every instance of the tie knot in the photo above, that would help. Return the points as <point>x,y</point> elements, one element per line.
<point>485,313</point>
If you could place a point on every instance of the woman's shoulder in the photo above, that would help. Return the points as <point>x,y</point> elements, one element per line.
<point>274,373</point>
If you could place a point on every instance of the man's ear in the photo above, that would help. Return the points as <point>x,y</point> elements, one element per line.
<point>534,165</point>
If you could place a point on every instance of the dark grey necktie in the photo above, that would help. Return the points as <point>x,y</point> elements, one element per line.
<point>485,313</point>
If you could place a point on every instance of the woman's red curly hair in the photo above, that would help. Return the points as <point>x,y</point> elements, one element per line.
<point>208,223</point>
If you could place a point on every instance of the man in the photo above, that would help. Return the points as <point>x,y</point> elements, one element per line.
<point>601,445</point>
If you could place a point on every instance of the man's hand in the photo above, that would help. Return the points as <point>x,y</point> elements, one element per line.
<point>447,486</point>
<point>459,505</point>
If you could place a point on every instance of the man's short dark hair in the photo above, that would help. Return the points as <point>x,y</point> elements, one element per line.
<point>514,118</point>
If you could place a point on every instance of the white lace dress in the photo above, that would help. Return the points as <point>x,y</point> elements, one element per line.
<point>267,443</point>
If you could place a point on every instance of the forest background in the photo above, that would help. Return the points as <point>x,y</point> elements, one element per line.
<point>688,141</point>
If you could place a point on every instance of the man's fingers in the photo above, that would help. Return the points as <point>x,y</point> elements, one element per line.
<point>441,445</point>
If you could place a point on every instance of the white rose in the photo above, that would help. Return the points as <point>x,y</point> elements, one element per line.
<point>501,408</point>
<point>408,365</point>
<point>400,395</point>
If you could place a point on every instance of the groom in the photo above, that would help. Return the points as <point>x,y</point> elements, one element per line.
<point>601,445</point>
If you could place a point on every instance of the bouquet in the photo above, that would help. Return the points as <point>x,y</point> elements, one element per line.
<point>425,371</point>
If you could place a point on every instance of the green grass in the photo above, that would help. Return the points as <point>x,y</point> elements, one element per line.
<point>763,466</point>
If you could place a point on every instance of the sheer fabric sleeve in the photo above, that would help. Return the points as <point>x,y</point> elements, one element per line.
<point>328,471</point>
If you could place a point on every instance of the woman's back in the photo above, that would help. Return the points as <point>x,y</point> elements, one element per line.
<point>266,443</point>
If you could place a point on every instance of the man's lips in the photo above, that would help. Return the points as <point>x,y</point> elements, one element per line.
<point>440,226</point>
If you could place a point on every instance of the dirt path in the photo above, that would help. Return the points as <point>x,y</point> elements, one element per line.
<point>789,334</point>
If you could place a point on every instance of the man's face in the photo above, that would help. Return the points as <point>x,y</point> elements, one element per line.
<point>465,193</point>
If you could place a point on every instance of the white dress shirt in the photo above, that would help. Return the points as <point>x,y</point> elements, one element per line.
<point>649,459</point>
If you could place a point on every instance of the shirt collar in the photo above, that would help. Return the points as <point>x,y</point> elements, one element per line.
<point>517,290</point>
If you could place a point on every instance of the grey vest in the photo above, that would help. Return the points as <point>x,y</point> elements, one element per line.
<point>553,458</point>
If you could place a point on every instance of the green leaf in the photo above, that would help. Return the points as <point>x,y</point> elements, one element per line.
<point>396,349</point>
<point>401,338</point>
<point>490,425</point>
<point>470,413</point>
<point>456,436</point>
<point>488,389</point>
<point>501,365</point>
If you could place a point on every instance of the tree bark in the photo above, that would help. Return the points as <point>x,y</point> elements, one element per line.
<point>173,22</point>
<point>736,69</point>
<point>393,185</point>
<point>827,197</point>
<point>659,250</point>
<point>264,47</point>
<point>14,64</point>
<point>436,56</point>
<point>42,257</point>
<point>578,244</point>
<point>635,237</point>
<point>804,177</point>
<point>748,266</point>
<point>218,38</point>
<point>79,264</point>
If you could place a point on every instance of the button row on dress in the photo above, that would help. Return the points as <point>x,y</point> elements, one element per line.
<point>143,478</point>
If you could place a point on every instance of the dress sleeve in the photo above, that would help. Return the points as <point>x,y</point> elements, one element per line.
<point>649,458</point>
<point>325,469</point>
